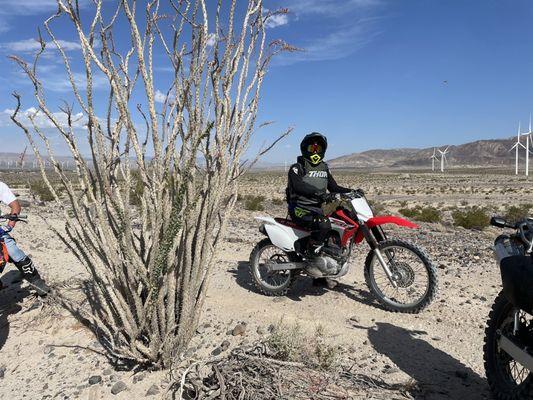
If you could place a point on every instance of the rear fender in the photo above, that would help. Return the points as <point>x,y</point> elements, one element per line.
<point>280,235</point>
<point>384,220</point>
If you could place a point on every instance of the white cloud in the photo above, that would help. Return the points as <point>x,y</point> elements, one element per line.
<point>329,7</point>
<point>31,7</point>
<point>32,45</point>
<point>211,39</point>
<point>277,20</point>
<point>78,120</point>
<point>344,26</point>
<point>159,97</point>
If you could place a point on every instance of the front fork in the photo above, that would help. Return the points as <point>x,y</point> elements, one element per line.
<point>374,246</point>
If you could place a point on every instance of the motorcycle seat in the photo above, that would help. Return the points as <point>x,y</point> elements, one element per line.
<point>291,224</point>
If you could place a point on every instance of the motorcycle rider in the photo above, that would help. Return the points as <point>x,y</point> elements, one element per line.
<point>19,258</point>
<point>309,182</point>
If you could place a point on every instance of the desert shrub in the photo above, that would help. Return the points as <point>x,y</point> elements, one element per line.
<point>429,214</point>
<point>423,214</point>
<point>254,203</point>
<point>407,212</point>
<point>287,342</point>
<point>41,190</point>
<point>516,213</point>
<point>325,355</point>
<point>471,218</point>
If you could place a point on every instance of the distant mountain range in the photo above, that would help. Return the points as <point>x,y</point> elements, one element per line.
<point>481,153</point>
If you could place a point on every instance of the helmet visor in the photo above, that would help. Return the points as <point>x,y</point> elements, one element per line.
<point>315,148</point>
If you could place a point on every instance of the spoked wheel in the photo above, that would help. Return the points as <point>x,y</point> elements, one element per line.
<point>413,273</point>
<point>271,283</point>
<point>507,379</point>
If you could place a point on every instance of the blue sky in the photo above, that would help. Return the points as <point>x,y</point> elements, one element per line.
<point>373,73</point>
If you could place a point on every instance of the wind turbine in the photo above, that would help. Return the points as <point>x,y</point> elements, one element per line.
<point>433,158</point>
<point>526,134</point>
<point>443,158</point>
<point>517,146</point>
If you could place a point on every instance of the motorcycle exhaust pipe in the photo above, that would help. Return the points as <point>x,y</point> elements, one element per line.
<point>519,355</point>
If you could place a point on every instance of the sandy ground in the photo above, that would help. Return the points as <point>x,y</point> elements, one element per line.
<point>46,354</point>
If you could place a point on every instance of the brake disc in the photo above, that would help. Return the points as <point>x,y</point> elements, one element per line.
<point>403,274</point>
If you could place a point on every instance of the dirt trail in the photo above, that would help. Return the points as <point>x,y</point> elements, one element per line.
<point>46,354</point>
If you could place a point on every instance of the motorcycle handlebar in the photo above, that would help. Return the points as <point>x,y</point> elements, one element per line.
<point>14,217</point>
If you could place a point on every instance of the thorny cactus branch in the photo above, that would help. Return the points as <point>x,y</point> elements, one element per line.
<point>147,210</point>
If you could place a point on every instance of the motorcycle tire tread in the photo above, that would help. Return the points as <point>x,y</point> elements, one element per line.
<point>493,325</point>
<point>282,291</point>
<point>432,275</point>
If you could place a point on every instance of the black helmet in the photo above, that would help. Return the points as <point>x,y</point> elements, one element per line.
<point>313,147</point>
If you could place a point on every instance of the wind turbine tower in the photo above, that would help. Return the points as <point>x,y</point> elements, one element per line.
<point>443,158</point>
<point>517,146</point>
<point>527,146</point>
<point>433,158</point>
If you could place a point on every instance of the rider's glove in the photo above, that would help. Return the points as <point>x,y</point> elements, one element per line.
<point>328,197</point>
<point>5,229</point>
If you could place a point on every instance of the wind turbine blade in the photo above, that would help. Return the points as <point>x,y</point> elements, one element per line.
<point>529,123</point>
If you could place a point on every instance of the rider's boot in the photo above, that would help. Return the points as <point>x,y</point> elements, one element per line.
<point>31,275</point>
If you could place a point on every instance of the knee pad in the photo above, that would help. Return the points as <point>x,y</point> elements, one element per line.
<point>25,265</point>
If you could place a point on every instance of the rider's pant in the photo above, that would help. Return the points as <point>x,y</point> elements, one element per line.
<point>312,218</point>
<point>20,259</point>
<point>15,253</point>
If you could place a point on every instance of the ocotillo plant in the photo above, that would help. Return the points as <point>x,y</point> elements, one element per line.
<point>179,153</point>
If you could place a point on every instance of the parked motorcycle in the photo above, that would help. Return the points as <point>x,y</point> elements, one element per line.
<point>508,348</point>
<point>398,273</point>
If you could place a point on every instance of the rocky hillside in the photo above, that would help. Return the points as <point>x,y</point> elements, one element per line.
<point>492,153</point>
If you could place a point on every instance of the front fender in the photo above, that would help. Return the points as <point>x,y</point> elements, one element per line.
<point>377,221</point>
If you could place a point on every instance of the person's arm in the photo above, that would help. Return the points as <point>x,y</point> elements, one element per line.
<point>15,209</point>
<point>333,187</point>
<point>297,183</point>
<point>7,197</point>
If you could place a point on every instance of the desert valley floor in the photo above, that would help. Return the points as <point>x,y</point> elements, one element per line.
<point>46,354</point>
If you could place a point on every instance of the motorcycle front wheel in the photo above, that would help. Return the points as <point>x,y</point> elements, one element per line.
<point>268,282</point>
<point>414,275</point>
<point>508,380</point>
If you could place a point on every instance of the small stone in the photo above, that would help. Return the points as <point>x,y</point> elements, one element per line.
<point>108,371</point>
<point>260,330</point>
<point>225,345</point>
<point>138,378</point>
<point>152,391</point>
<point>216,351</point>
<point>93,380</point>
<point>118,387</point>
<point>2,372</point>
<point>239,330</point>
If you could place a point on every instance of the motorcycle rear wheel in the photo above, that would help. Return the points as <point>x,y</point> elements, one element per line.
<point>507,379</point>
<point>273,283</point>
<point>408,262</point>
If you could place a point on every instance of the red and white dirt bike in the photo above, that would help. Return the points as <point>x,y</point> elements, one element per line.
<point>398,273</point>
